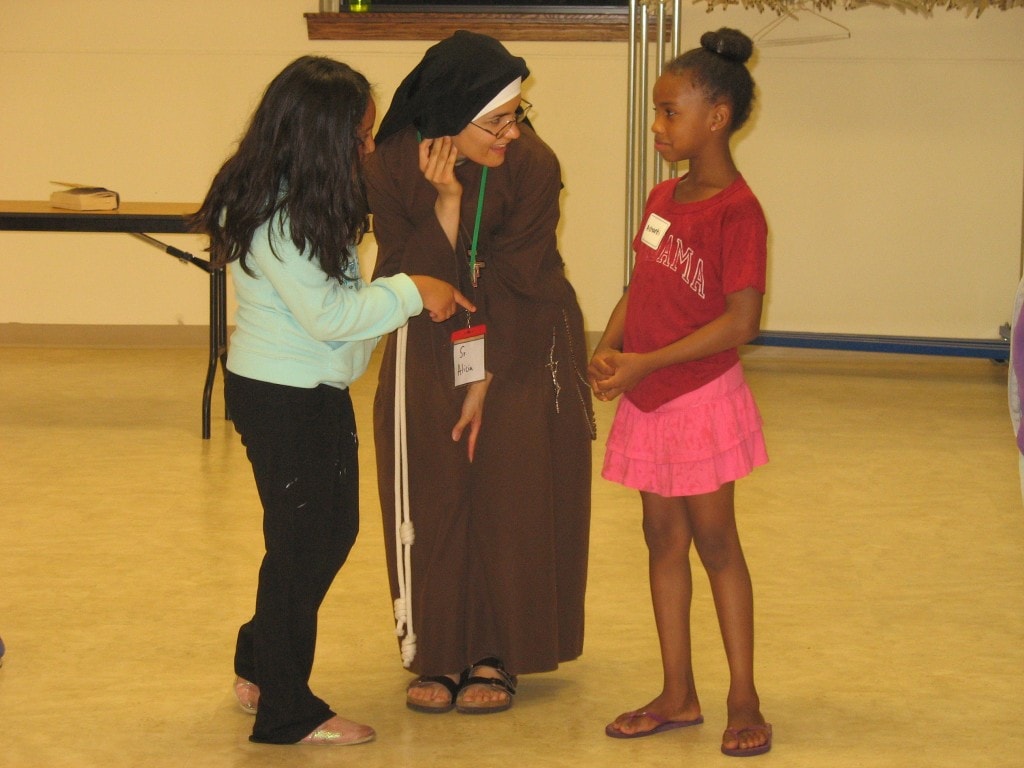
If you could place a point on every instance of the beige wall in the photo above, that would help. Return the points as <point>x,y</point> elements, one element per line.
<point>890,165</point>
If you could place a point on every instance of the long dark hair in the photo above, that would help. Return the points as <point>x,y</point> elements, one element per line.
<point>298,161</point>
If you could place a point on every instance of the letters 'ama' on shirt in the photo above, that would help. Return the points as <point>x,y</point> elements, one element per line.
<point>689,256</point>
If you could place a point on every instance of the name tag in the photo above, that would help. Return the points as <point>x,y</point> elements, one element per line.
<point>468,355</point>
<point>654,230</point>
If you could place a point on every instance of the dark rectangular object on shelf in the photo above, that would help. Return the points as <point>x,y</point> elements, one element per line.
<point>476,6</point>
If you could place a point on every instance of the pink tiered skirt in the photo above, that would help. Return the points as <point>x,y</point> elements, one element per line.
<point>691,445</point>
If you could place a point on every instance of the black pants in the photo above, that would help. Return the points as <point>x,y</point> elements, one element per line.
<point>302,445</point>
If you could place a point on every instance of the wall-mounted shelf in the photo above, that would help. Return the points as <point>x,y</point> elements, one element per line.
<point>382,25</point>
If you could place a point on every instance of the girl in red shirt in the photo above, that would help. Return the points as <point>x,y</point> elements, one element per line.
<point>687,426</point>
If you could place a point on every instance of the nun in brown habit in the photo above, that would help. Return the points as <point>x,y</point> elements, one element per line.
<point>487,517</point>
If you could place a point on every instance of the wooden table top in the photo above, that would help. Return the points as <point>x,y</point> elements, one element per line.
<point>40,216</point>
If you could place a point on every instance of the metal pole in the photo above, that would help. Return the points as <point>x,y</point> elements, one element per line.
<point>645,47</point>
<point>637,174</point>
<point>630,147</point>
<point>659,165</point>
<point>638,146</point>
<point>676,43</point>
<point>639,166</point>
<point>677,26</point>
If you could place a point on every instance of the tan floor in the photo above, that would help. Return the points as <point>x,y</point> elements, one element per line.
<point>885,540</point>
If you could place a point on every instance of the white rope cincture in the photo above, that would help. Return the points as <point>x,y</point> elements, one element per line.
<point>404,532</point>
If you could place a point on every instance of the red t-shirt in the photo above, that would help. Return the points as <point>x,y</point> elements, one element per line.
<point>688,257</point>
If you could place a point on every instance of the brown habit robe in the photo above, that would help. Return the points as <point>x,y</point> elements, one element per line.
<point>499,562</point>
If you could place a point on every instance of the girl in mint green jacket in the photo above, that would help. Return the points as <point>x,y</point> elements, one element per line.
<point>284,214</point>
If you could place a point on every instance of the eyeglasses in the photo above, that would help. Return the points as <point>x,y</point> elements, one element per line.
<point>502,127</point>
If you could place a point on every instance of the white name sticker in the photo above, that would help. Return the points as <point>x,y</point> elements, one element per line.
<point>468,355</point>
<point>654,230</point>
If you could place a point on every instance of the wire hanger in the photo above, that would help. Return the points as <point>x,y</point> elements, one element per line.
<point>820,33</point>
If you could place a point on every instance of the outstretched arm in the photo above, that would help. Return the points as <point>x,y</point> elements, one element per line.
<point>440,299</point>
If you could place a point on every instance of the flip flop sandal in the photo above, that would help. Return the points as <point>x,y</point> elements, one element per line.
<point>504,682</point>
<point>736,733</point>
<point>662,725</point>
<point>436,707</point>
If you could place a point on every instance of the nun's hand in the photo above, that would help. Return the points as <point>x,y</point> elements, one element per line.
<point>437,162</point>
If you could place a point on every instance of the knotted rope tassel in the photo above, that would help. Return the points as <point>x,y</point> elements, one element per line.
<point>404,532</point>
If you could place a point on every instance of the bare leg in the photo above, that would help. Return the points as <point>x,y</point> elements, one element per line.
<point>668,536</point>
<point>713,523</point>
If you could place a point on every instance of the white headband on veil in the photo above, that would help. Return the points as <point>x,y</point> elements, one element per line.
<point>507,93</point>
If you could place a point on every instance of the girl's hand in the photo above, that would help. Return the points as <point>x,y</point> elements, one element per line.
<point>472,413</point>
<point>437,163</point>
<point>629,369</point>
<point>440,299</point>
<point>602,365</point>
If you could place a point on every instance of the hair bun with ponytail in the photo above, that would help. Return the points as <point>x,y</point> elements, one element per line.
<point>730,44</point>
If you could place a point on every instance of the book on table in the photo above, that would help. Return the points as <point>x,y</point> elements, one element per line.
<point>82,198</point>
